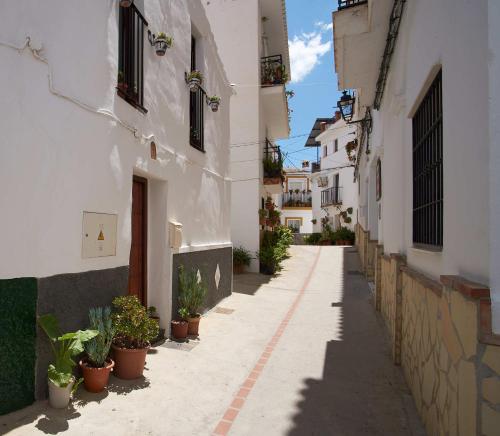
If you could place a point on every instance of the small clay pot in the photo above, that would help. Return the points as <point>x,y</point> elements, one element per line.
<point>96,379</point>
<point>179,329</point>
<point>129,362</point>
<point>194,325</point>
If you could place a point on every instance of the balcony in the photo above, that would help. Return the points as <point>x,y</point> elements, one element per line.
<point>315,167</point>
<point>293,200</point>
<point>274,76</point>
<point>273,168</point>
<point>360,31</point>
<point>331,196</point>
<point>344,4</point>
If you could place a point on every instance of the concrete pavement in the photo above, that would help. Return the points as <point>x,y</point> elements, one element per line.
<point>299,354</point>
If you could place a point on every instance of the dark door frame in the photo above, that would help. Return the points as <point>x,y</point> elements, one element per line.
<point>144,182</point>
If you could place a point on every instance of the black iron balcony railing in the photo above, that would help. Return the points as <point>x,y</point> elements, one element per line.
<point>299,199</point>
<point>331,196</point>
<point>315,167</point>
<point>273,71</point>
<point>344,4</point>
<point>273,161</point>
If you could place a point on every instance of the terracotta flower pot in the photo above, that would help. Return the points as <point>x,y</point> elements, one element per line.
<point>96,379</point>
<point>238,268</point>
<point>262,221</point>
<point>129,363</point>
<point>179,329</point>
<point>194,324</point>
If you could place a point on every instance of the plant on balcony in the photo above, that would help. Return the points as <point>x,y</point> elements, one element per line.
<point>214,103</point>
<point>162,42</point>
<point>262,217</point>
<point>273,169</point>
<point>126,3</point>
<point>241,259</point>
<point>297,191</point>
<point>194,80</point>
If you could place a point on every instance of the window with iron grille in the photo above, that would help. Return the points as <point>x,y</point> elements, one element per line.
<point>336,146</point>
<point>130,59</point>
<point>428,169</point>
<point>196,107</point>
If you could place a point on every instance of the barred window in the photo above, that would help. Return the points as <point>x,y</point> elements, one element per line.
<point>428,169</point>
<point>130,60</point>
<point>196,108</point>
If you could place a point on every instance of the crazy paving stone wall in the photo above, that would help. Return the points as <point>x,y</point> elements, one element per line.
<point>17,343</point>
<point>388,296</point>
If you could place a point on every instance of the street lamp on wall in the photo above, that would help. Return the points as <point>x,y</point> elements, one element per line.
<point>346,106</point>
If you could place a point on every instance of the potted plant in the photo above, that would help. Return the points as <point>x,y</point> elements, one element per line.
<point>269,203</point>
<point>153,314</point>
<point>134,331</point>
<point>241,259</point>
<point>274,216</point>
<point>194,80</point>
<point>126,3</point>
<point>262,217</point>
<point>180,326</point>
<point>297,191</point>
<point>162,42</point>
<point>62,382</point>
<point>97,366</point>
<point>192,293</point>
<point>267,260</point>
<point>214,102</point>
<point>314,220</point>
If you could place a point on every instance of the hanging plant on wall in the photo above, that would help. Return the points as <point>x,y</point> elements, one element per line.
<point>162,42</point>
<point>214,103</point>
<point>194,80</point>
<point>350,148</point>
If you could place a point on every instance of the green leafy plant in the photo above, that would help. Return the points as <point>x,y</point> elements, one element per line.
<point>241,256</point>
<point>168,39</point>
<point>183,313</point>
<point>133,326</point>
<point>195,74</point>
<point>97,348</point>
<point>344,234</point>
<point>272,168</point>
<point>312,239</point>
<point>314,220</point>
<point>191,291</point>
<point>262,213</point>
<point>214,99</point>
<point>65,347</point>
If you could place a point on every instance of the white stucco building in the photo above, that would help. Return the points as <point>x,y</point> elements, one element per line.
<point>252,39</point>
<point>295,202</point>
<point>425,76</point>
<point>113,173</point>
<point>334,190</point>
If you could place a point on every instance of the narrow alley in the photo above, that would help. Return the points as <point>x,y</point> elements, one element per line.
<point>303,353</point>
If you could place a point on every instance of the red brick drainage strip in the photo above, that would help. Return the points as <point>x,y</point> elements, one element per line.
<point>232,411</point>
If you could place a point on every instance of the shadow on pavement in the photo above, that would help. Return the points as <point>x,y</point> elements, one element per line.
<point>249,283</point>
<point>361,391</point>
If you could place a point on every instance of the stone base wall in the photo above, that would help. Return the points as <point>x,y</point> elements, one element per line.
<point>367,249</point>
<point>449,355</point>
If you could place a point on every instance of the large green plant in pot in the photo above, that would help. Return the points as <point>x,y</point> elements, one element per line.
<point>134,331</point>
<point>97,366</point>
<point>192,293</point>
<point>62,382</point>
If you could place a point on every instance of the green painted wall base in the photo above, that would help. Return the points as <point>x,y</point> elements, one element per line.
<point>17,343</point>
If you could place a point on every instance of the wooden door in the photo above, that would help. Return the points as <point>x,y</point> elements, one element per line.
<point>137,281</point>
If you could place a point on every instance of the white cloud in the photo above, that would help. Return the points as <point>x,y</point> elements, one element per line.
<point>325,27</point>
<point>306,51</point>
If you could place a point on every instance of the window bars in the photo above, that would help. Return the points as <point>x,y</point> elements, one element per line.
<point>344,4</point>
<point>130,60</point>
<point>428,169</point>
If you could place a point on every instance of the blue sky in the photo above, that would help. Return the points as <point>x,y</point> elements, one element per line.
<point>313,77</point>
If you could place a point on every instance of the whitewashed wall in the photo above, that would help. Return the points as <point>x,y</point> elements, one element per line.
<point>58,159</point>
<point>454,34</point>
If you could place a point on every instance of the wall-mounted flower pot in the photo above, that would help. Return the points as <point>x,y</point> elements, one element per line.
<point>129,363</point>
<point>194,83</point>
<point>194,325</point>
<point>59,397</point>
<point>96,379</point>
<point>214,105</point>
<point>126,3</point>
<point>160,46</point>
<point>179,329</point>
<point>262,221</point>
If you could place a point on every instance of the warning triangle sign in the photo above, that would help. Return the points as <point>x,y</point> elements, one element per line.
<point>101,236</point>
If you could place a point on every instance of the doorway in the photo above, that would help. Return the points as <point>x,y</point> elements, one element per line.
<point>137,281</point>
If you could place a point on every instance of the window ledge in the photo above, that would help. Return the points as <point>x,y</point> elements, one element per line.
<point>422,248</point>
<point>197,147</point>
<point>131,101</point>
